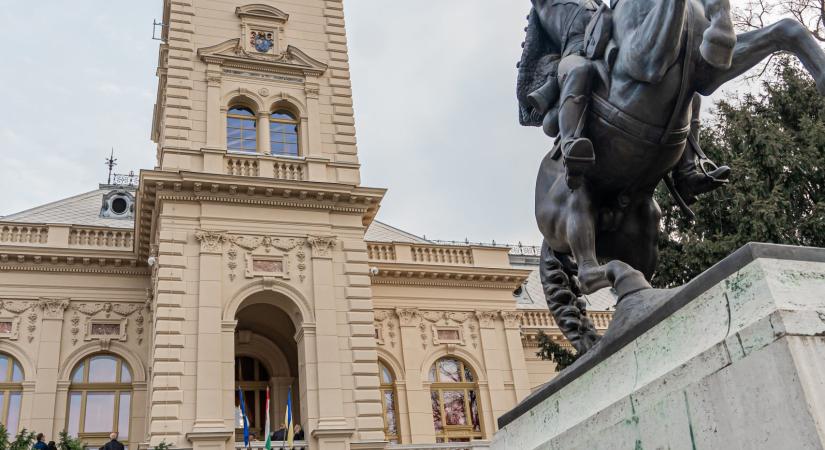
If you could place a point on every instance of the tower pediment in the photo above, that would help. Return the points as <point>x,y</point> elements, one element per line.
<point>292,60</point>
<point>262,12</point>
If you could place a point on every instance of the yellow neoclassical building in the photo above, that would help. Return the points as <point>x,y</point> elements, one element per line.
<point>250,259</point>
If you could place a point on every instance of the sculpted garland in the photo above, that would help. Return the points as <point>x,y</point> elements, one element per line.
<point>619,88</point>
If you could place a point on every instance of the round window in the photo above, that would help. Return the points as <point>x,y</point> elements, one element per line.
<point>119,205</point>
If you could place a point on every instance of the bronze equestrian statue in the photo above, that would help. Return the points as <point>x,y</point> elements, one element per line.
<point>620,87</point>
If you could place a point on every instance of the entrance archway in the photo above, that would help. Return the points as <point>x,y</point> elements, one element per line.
<point>266,355</point>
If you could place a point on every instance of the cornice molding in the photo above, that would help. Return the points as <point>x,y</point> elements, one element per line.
<point>446,275</point>
<point>260,11</point>
<point>33,260</point>
<point>157,187</point>
<point>291,61</point>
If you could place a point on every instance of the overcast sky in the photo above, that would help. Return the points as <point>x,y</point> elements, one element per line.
<point>433,82</point>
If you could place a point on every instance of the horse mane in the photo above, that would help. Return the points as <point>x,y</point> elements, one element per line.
<point>539,61</point>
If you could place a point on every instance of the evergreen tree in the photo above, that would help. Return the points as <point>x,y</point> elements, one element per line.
<point>775,144</point>
<point>551,351</point>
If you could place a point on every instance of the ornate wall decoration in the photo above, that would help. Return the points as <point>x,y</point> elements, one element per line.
<point>105,321</point>
<point>256,265</point>
<point>447,327</point>
<point>11,316</point>
<point>322,246</point>
<point>302,265</point>
<point>473,334</point>
<point>386,326</point>
<point>211,241</point>
<point>32,327</point>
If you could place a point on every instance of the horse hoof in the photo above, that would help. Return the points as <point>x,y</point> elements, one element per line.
<point>717,46</point>
<point>592,279</point>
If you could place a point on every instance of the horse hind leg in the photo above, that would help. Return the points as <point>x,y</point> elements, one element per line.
<point>562,297</point>
<point>754,46</point>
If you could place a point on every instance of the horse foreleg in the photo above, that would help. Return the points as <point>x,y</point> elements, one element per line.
<point>754,46</point>
<point>652,48</point>
<point>580,228</point>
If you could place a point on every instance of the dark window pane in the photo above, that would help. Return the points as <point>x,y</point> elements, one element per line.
<point>77,375</point>
<point>17,373</point>
<point>99,408</point>
<point>125,408</point>
<point>283,115</point>
<point>74,414</point>
<point>474,411</point>
<point>103,369</point>
<point>436,405</point>
<point>389,404</point>
<point>448,371</point>
<point>14,412</point>
<point>4,368</point>
<point>125,374</point>
<point>468,374</point>
<point>241,111</point>
<point>454,409</point>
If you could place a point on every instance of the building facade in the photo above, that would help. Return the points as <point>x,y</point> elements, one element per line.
<point>249,259</point>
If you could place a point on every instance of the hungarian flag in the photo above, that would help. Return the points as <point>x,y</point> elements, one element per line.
<point>268,444</point>
<point>290,430</point>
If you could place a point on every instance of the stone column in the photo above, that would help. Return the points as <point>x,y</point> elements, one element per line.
<point>264,146</point>
<point>333,430</point>
<point>214,124</point>
<point>48,360</point>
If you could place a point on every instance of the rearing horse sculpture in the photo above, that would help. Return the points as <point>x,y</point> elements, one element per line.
<point>638,120</point>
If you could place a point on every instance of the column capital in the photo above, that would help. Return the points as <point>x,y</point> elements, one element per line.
<point>211,241</point>
<point>322,246</point>
<point>53,308</point>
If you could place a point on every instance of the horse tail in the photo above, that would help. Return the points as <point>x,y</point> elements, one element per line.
<point>562,296</point>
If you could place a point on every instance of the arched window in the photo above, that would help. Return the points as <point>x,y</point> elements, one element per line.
<point>389,403</point>
<point>100,399</point>
<point>11,392</point>
<point>283,133</point>
<point>455,403</point>
<point>252,378</point>
<point>241,130</point>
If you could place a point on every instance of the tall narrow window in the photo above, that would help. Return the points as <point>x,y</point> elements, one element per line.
<point>283,133</point>
<point>241,130</point>
<point>252,378</point>
<point>100,399</point>
<point>389,403</point>
<point>455,403</point>
<point>11,392</point>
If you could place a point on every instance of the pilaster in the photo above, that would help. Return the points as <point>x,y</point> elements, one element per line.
<point>48,360</point>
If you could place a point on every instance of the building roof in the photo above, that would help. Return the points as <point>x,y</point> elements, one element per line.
<point>381,232</point>
<point>82,209</point>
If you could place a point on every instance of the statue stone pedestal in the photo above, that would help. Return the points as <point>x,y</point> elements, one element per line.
<point>735,359</point>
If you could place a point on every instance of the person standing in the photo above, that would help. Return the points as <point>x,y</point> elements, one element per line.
<point>113,444</point>
<point>51,446</point>
<point>299,432</point>
<point>40,445</point>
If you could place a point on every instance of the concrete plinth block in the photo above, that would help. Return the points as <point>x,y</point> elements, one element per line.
<point>732,360</point>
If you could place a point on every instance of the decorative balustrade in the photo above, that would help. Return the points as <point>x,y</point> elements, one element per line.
<point>442,255</point>
<point>24,234</point>
<point>101,238</point>
<point>543,319</point>
<point>474,445</point>
<point>276,445</point>
<point>381,252</point>
<point>267,166</point>
<point>241,166</point>
<point>289,170</point>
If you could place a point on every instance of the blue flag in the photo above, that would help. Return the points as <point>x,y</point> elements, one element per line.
<point>245,422</point>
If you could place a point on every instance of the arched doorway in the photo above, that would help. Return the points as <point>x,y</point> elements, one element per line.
<point>266,355</point>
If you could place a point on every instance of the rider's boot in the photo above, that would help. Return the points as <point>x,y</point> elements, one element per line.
<point>579,155</point>
<point>690,181</point>
<point>719,38</point>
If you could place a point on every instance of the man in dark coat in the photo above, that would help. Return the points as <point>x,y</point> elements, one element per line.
<point>113,444</point>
